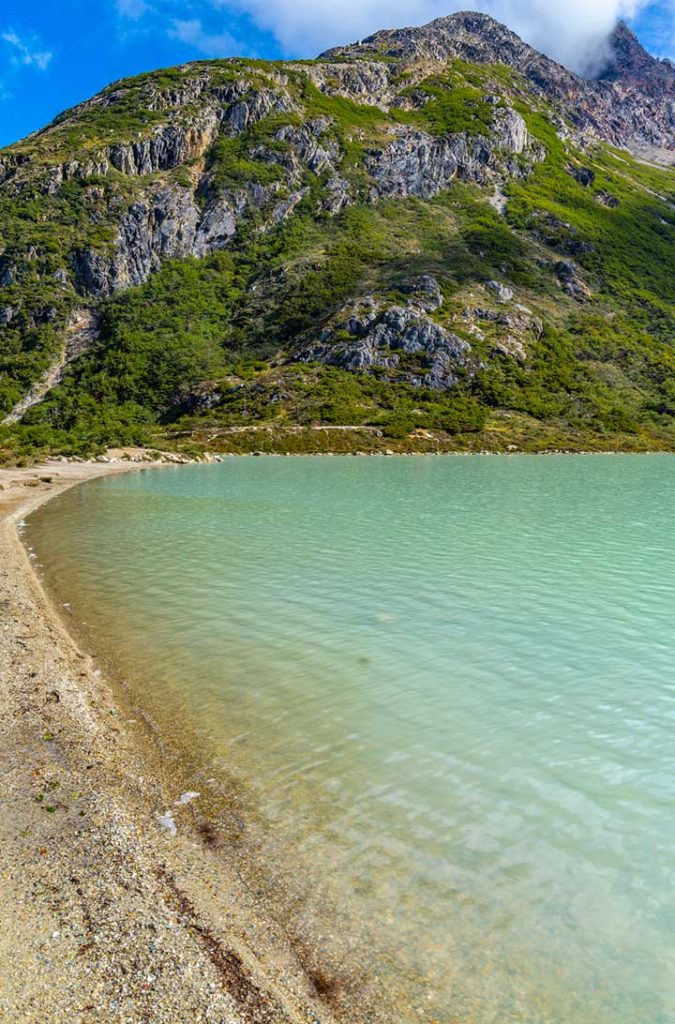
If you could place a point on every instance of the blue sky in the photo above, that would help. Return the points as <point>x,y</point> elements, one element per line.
<point>54,53</point>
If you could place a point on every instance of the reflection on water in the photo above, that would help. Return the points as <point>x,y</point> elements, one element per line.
<point>450,685</point>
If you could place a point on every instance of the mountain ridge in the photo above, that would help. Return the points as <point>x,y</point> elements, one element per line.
<point>426,233</point>
<point>630,74</point>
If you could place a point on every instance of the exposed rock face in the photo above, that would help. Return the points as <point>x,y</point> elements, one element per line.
<point>257,105</point>
<point>509,131</point>
<point>365,81</point>
<point>7,273</point>
<point>167,224</point>
<point>174,221</point>
<point>368,335</point>
<point>337,194</point>
<point>631,105</point>
<point>419,164</point>
<point>630,62</point>
<point>216,227</point>
<point>201,398</point>
<point>607,199</point>
<point>312,145</point>
<point>285,207</point>
<point>161,227</point>
<point>168,148</point>
<point>424,292</point>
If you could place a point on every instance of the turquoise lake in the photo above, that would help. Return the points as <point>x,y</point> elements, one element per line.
<point>447,687</point>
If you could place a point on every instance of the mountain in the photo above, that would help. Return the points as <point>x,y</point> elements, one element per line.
<point>437,237</point>
<point>630,104</point>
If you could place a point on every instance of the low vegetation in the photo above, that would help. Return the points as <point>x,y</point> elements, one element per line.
<point>201,356</point>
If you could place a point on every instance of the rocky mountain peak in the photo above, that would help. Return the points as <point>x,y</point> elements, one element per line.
<point>629,61</point>
<point>469,34</point>
<point>630,104</point>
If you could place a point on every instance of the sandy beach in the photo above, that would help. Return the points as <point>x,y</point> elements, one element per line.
<point>106,914</point>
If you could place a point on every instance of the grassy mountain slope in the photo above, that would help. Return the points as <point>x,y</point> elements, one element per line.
<point>429,250</point>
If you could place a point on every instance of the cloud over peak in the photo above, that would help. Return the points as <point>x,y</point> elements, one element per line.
<point>573,33</point>
<point>213,44</point>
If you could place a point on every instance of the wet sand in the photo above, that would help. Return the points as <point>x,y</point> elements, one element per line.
<point>107,915</point>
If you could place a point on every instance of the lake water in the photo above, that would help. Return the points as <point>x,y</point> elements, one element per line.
<point>447,688</point>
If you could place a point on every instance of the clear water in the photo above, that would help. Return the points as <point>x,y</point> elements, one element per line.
<point>450,686</point>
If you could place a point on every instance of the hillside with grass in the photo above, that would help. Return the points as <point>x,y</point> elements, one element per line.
<point>391,247</point>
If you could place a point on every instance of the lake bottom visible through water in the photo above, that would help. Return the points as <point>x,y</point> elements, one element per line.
<point>445,690</point>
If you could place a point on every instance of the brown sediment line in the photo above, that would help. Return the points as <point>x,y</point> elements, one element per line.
<point>106,915</point>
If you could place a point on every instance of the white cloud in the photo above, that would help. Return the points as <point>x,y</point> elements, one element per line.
<point>133,9</point>
<point>212,44</point>
<point>25,52</point>
<point>572,31</point>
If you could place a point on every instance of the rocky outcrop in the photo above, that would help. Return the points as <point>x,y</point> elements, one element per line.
<point>509,133</point>
<point>162,226</point>
<point>312,145</point>
<point>169,147</point>
<point>229,109</point>
<point>169,223</point>
<point>336,195</point>
<point>200,398</point>
<point>403,341</point>
<point>9,164</point>
<point>257,105</point>
<point>606,199</point>
<point>176,221</point>
<point>8,272</point>
<point>216,227</point>
<point>510,331</point>
<point>286,207</point>
<point>584,175</point>
<point>571,280</point>
<point>307,147</point>
<point>364,81</point>
<point>423,292</point>
<point>419,164</point>
<point>501,292</point>
<point>166,224</point>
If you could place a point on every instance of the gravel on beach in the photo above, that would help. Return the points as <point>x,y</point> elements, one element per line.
<point>107,915</point>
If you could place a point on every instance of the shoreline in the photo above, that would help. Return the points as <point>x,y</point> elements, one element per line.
<point>109,915</point>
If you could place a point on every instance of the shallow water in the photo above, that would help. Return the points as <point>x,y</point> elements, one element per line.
<point>450,686</point>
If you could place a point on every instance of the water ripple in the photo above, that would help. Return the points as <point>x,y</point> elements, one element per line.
<point>451,683</point>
